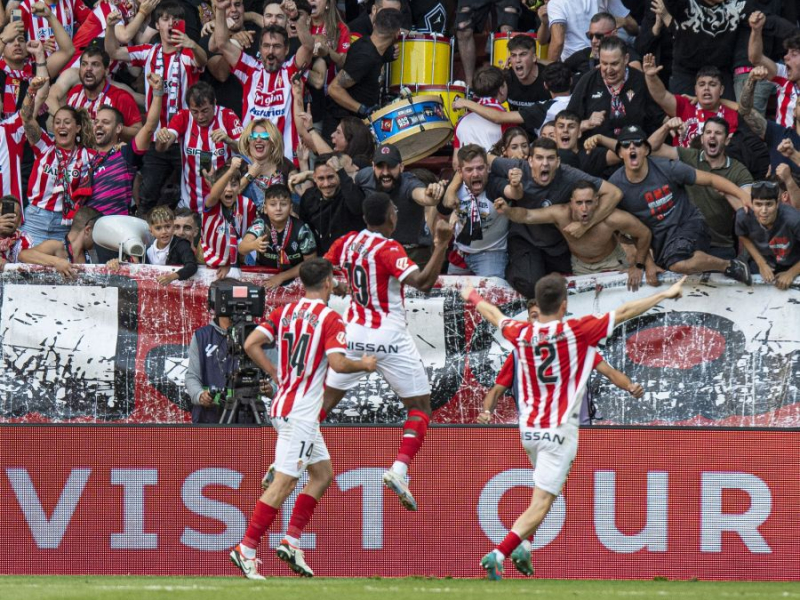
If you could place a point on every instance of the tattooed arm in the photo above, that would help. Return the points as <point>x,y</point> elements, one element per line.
<point>338,91</point>
<point>37,92</point>
<point>753,118</point>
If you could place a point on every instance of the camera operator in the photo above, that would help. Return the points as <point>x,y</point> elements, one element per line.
<point>210,364</point>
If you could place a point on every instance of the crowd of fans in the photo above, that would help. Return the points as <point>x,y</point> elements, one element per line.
<point>654,135</point>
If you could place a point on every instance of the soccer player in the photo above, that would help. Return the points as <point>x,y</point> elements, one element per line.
<point>555,358</point>
<point>377,268</point>
<point>309,336</point>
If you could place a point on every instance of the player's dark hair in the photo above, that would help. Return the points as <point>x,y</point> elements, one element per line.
<point>174,9</point>
<point>277,190</point>
<point>557,77</point>
<point>719,121</point>
<point>200,93</point>
<point>487,81</point>
<point>603,16</point>
<point>471,152</point>
<point>550,292</point>
<point>544,143</point>
<point>611,43</point>
<point>95,50</point>
<point>83,217</point>
<point>568,115</point>
<point>583,184</point>
<point>376,208</point>
<point>521,42</point>
<point>792,42</point>
<point>275,30</point>
<point>314,272</point>
<point>709,71</point>
<point>118,116</point>
<point>388,22</point>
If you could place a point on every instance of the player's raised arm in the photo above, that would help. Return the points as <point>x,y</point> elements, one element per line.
<point>634,308</point>
<point>488,310</point>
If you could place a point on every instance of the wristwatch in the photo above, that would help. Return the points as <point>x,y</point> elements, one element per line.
<point>639,266</point>
<point>249,177</point>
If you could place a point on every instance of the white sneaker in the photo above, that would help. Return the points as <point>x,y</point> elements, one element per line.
<point>399,486</point>
<point>268,478</point>
<point>248,566</point>
<point>295,558</point>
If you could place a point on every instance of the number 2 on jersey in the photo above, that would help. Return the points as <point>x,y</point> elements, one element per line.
<point>549,351</point>
<point>296,352</point>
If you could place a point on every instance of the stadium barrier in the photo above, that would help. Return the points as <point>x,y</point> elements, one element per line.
<point>112,347</point>
<point>712,504</point>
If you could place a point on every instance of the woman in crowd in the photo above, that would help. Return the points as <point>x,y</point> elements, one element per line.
<point>514,144</point>
<point>262,147</point>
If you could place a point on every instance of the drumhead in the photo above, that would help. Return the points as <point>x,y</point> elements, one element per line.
<point>424,37</point>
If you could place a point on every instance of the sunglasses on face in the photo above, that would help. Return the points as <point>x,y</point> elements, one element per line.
<point>597,36</point>
<point>259,135</point>
<point>628,143</point>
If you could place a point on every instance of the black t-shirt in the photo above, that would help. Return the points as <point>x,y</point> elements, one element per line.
<point>581,62</point>
<point>363,64</point>
<point>780,244</point>
<point>361,26</point>
<point>520,95</point>
<point>331,218</point>
<point>594,163</point>
<point>546,237</point>
<point>410,215</point>
<point>229,92</point>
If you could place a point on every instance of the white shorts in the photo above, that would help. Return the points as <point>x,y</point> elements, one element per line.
<point>299,444</point>
<point>399,361</point>
<point>551,452</point>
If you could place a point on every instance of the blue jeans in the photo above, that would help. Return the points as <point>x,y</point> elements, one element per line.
<point>491,263</point>
<point>42,224</point>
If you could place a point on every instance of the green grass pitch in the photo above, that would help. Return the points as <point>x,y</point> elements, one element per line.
<point>286,588</point>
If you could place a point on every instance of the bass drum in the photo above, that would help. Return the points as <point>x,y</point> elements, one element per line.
<point>446,93</point>
<point>425,59</point>
<point>418,126</point>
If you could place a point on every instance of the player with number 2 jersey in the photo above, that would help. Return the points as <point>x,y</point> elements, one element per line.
<point>377,268</point>
<point>554,359</point>
<point>309,337</point>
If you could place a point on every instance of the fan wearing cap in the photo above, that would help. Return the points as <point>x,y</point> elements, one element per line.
<point>771,235</point>
<point>654,190</point>
<point>410,195</point>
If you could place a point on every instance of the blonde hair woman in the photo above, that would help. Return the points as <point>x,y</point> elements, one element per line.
<point>261,145</point>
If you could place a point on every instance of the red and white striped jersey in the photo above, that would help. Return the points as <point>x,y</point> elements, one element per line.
<point>220,239</point>
<point>787,97</point>
<point>110,95</point>
<point>179,71</point>
<point>269,96</point>
<point>11,246</point>
<point>305,332</point>
<point>375,268</point>
<point>54,169</point>
<point>554,360</point>
<point>12,144</point>
<point>342,45</point>
<point>13,87</point>
<point>66,11</point>
<point>196,141</point>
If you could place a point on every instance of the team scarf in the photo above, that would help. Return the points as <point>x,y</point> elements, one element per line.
<point>281,245</point>
<point>472,229</point>
<point>173,74</point>
<point>618,110</point>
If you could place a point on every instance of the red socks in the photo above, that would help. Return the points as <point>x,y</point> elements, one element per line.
<point>417,422</point>
<point>301,514</point>
<point>509,544</point>
<point>263,516</point>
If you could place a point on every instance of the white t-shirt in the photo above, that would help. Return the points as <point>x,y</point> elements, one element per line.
<point>157,256</point>
<point>577,15</point>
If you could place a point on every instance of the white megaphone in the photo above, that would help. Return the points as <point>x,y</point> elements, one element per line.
<point>123,234</point>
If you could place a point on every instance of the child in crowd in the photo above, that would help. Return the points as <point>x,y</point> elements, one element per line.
<point>279,240</point>
<point>168,248</point>
<point>227,216</point>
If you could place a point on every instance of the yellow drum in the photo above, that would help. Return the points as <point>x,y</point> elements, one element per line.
<point>418,126</point>
<point>425,59</point>
<point>447,93</point>
<point>499,46</point>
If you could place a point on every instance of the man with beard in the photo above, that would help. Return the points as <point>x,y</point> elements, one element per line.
<point>480,231</point>
<point>711,158</point>
<point>599,249</point>
<point>267,85</point>
<point>114,168</point>
<point>95,91</point>
<point>536,250</point>
<point>409,194</point>
<point>655,191</point>
<point>332,207</point>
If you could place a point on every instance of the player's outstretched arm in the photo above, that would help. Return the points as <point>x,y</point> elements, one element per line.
<point>634,308</point>
<point>425,279</point>
<point>619,379</point>
<point>253,347</point>
<point>488,310</point>
<point>342,364</point>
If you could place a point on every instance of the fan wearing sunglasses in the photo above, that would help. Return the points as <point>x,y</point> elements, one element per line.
<point>602,25</point>
<point>654,191</point>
